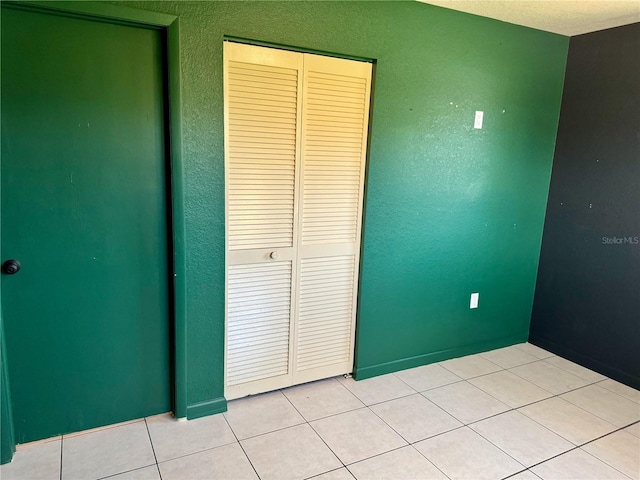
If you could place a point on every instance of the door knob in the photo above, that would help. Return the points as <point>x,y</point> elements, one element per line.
<point>11,267</point>
<point>273,255</point>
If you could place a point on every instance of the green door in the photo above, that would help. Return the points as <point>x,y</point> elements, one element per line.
<point>84,211</point>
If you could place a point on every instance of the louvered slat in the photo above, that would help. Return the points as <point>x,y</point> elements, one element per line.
<point>333,159</point>
<point>325,311</point>
<point>259,304</point>
<point>262,120</point>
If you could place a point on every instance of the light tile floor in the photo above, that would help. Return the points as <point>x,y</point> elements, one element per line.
<point>517,412</point>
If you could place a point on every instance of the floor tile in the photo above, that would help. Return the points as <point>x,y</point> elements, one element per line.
<point>463,454</point>
<point>107,452</point>
<point>146,473</point>
<point>553,379</point>
<point>339,474</point>
<point>293,453</point>
<point>634,429</point>
<point>402,464</point>
<point>621,450</point>
<point>321,399</point>
<point>427,377</point>
<point>570,422</point>
<point>356,435</point>
<point>465,402</point>
<point>574,368</point>
<point>621,389</point>
<point>605,404</point>
<point>525,475</point>
<point>415,418</point>
<point>377,389</point>
<point>522,438</point>
<point>222,463</point>
<point>172,438</point>
<point>534,350</point>
<point>576,464</point>
<point>510,389</point>
<point>34,462</point>
<point>470,366</point>
<point>509,357</point>
<point>251,416</point>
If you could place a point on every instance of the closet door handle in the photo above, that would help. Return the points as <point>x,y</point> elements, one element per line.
<point>273,255</point>
<point>11,267</point>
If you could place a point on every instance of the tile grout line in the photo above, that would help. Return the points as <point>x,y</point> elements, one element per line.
<point>516,410</point>
<point>431,388</point>
<point>545,389</point>
<point>314,430</point>
<point>426,458</point>
<point>498,447</point>
<point>612,391</point>
<point>123,472</point>
<point>333,414</point>
<point>191,454</point>
<point>461,426</point>
<point>518,364</point>
<point>303,417</point>
<point>575,447</point>
<point>517,473</point>
<point>603,461</point>
<point>393,429</point>
<point>61,447</point>
<point>568,451</point>
<point>329,471</point>
<point>378,403</point>
<point>384,453</point>
<point>536,401</point>
<point>239,444</point>
<point>594,414</point>
<point>279,429</point>
<point>248,459</point>
<point>552,395</point>
<point>408,443</point>
<point>153,449</point>
<point>616,393</point>
<point>507,369</point>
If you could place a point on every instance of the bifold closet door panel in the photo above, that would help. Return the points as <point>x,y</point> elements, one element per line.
<point>335,118</point>
<point>262,121</point>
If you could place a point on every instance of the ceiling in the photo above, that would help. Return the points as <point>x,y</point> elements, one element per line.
<point>566,17</point>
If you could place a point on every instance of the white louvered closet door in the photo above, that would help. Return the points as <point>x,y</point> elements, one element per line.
<point>295,146</point>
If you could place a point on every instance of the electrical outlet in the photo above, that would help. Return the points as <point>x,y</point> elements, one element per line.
<point>473,303</point>
<point>477,123</point>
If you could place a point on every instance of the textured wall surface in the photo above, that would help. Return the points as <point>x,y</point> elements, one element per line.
<point>588,291</point>
<point>449,210</point>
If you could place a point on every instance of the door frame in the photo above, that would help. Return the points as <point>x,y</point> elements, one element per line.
<point>169,25</point>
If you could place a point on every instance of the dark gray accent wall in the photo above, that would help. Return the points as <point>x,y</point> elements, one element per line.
<point>587,300</point>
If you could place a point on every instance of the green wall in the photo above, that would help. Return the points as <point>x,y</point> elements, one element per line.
<point>449,210</point>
